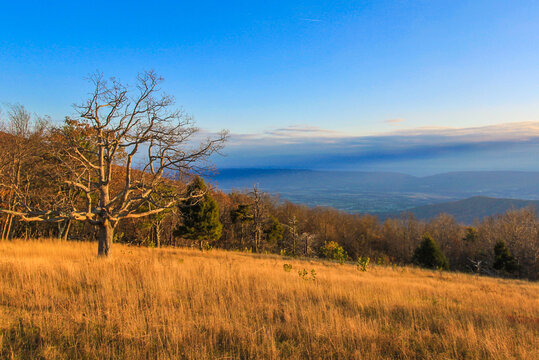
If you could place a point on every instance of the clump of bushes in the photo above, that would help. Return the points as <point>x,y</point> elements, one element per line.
<point>333,251</point>
<point>429,255</point>
<point>304,274</point>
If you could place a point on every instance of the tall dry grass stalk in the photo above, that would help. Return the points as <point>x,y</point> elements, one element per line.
<point>59,301</point>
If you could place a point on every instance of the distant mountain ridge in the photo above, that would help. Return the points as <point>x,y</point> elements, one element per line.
<point>468,210</point>
<point>452,182</point>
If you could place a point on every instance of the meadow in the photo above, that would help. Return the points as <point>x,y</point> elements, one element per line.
<point>59,301</point>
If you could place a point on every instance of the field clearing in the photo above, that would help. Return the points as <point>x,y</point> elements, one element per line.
<point>59,301</point>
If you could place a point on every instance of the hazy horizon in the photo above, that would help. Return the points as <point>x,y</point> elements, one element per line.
<point>270,169</point>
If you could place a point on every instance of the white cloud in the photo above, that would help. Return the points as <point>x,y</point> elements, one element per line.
<point>394,121</point>
<point>516,131</point>
<point>313,147</point>
<point>305,134</point>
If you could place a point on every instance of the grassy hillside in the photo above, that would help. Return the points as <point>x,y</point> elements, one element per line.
<point>58,301</point>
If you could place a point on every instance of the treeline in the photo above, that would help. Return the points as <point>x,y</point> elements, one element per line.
<point>31,178</point>
<point>507,244</point>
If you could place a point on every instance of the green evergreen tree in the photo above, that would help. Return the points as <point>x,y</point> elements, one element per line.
<point>242,216</point>
<point>503,260</point>
<point>200,215</point>
<point>429,255</point>
<point>274,232</point>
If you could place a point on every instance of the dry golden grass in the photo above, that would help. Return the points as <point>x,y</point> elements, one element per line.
<point>59,301</point>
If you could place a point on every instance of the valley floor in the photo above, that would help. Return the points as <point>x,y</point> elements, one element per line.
<point>59,301</point>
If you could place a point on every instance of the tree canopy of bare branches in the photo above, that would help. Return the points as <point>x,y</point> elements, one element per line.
<point>120,154</point>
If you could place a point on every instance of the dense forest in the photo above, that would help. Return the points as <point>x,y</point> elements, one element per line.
<point>47,173</point>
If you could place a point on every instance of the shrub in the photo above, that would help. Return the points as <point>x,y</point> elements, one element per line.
<point>205,246</point>
<point>429,255</point>
<point>362,263</point>
<point>303,274</point>
<point>383,260</point>
<point>333,251</point>
<point>287,267</point>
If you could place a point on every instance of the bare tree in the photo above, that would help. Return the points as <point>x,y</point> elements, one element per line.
<point>117,127</point>
<point>258,217</point>
<point>294,235</point>
<point>20,153</point>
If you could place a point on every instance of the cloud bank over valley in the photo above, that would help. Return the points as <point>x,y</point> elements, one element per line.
<point>419,151</point>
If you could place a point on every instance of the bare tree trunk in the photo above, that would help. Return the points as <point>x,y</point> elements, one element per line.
<point>7,226</point>
<point>7,229</point>
<point>158,234</point>
<point>4,226</point>
<point>65,231</point>
<point>258,218</point>
<point>106,233</point>
<point>257,240</point>
<point>242,235</point>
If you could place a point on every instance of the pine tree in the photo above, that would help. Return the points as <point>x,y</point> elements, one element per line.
<point>429,255</point>
<point>503,260</point>
<point>242,216</point>
<point>200,215</point>
<point>274,232</point>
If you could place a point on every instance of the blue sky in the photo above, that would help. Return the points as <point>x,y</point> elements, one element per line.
<point>350,69</point>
